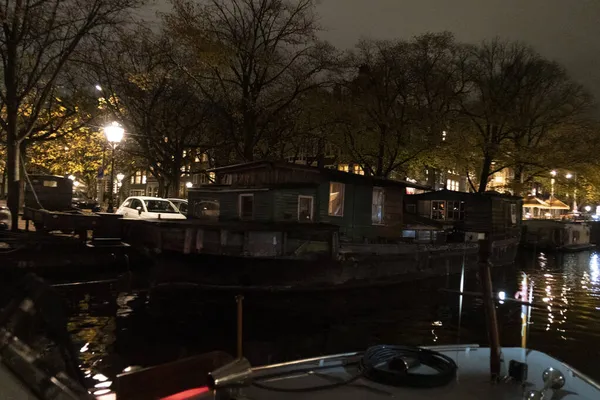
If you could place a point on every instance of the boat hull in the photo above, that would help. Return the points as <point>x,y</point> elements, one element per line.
<point>221,272</point>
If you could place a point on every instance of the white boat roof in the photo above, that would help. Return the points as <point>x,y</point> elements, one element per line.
<point>146,198</point>
<point>472,381</point>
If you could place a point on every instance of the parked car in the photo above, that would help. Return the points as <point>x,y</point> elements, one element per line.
<point>143,207</point>
<point>82,201</point>
<point>181,204</point>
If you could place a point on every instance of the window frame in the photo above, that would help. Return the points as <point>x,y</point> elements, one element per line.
<point>444,210</point>
<point>251,195</point>
<point>382,190</point>
<point>460,213</point>
<point>312,207</point>
<point>343,192</point>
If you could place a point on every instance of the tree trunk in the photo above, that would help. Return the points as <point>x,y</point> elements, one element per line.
<point>485,173</point>
<point>161,186</point>
<point>380,155</point>
<point>249,135</point>
<point>519,180</point>
<point>22,162</point>
<point>12,175</point>
<point>174,184</point>
<point>248,148</point>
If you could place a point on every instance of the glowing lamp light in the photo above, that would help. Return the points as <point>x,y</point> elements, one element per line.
<point>553,173</point>
<point>588,208</point>
<point>114,132</point>
<point>569,176</point>
<point>120,177</point>
<point>98,88</point>
<point>189,185</point>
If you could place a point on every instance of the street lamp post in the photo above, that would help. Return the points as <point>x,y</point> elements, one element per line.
<point>114,134</point>
<point>120,178</point>
<point>552,181</point>
<point>569,176</point>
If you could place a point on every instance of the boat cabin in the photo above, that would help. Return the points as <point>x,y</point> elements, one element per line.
<point>366,209</point>
<point>49,192</point>
<point>467,216</point>
<point>557,235</point>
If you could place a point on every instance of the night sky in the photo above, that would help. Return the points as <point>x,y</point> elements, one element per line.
<point>567,31</point>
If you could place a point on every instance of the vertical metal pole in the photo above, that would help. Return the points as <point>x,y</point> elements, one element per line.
<point>112,179</point>
<point>490,308</point>
<point>240,320</point>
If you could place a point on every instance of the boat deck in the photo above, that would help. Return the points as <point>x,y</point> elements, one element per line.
<point>472,381</point>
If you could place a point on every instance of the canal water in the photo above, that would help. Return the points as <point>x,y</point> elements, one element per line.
<point>140,329</point>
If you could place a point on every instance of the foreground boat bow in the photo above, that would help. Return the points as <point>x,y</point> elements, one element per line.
<point>525,374</point>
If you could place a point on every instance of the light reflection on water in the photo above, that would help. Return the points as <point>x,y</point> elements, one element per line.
<point>565,322</point>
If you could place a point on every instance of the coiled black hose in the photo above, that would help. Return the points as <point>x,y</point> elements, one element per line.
<point>388,365</point>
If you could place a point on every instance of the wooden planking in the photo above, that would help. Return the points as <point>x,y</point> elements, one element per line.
<point>285,205</point>
<point>393,209</point>
<point>266,175</point>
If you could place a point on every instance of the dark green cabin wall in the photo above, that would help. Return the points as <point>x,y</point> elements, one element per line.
<point>282,205</point>
<point>229,201</point>
<point>285,203</point>
<point>356,223</point>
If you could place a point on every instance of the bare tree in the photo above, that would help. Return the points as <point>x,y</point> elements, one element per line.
<point>168,122</point>
<point>399,104</point>
<point>519,108</point>
<point>253,59</point>
<point>37,41</point>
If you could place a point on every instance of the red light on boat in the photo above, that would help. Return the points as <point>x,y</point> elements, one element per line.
<point>188,394</point>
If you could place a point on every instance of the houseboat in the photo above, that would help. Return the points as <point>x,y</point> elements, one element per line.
<point>548,226</point>
<point>557,235</point>
<point>290,226</point>
<point>467,218</point>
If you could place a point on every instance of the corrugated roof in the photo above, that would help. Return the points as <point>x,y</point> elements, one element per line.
<point>325,171</point>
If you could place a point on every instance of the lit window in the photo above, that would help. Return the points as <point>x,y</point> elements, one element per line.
<point>344,167</point>
<point>452,185</point>
<point>358,170</point>
<point>204,157</point>
<point>336,199</point>
<point>377,206</point>
<point>305,208</point>
<point>246,206</point>
<point>212,177</point>
<point>138,178</point>
<point>438,209</point>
